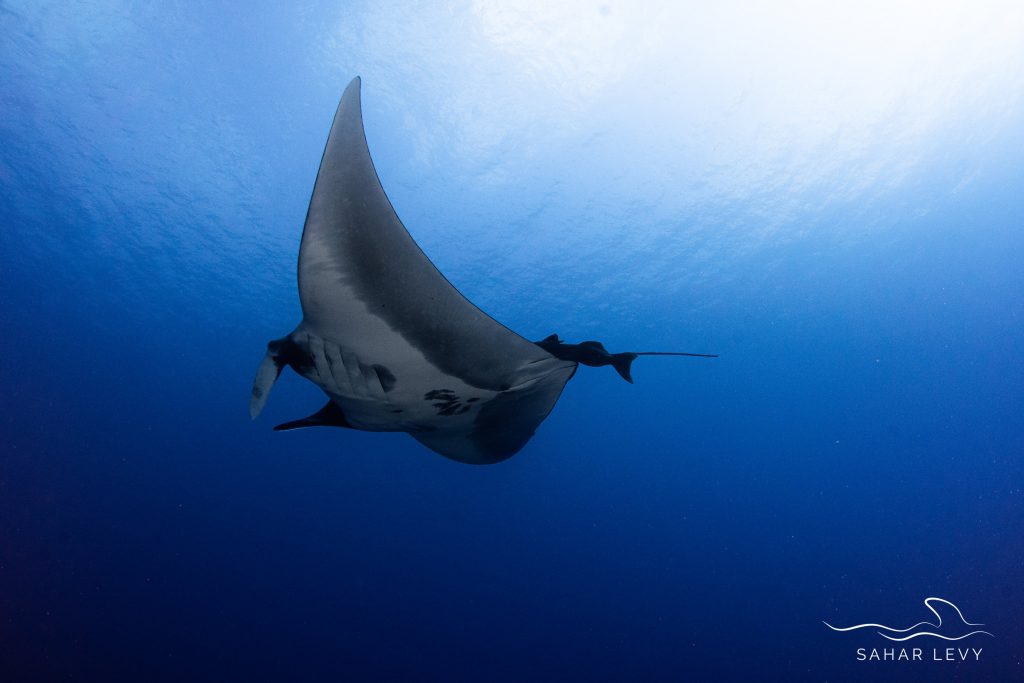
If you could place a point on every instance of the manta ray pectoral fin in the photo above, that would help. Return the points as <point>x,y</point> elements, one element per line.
<point>365,285</point>
<point>328,416</point>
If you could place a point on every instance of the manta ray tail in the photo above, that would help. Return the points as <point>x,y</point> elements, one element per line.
<point>594,354</point>
<point>675,353</point>
<point>622,361</point>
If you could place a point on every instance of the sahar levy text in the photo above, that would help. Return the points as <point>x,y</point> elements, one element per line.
<point>916,654</point>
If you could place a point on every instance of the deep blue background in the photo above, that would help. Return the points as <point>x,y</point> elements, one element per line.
<point>842,224</point>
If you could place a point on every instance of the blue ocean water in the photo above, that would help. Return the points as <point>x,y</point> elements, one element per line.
<point>827,196</point>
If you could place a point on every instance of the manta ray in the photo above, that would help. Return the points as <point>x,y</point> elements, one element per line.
<point>393,345</point>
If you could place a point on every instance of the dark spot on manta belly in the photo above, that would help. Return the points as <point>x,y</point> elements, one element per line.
<point>447,402</point>
<point>439,393</point>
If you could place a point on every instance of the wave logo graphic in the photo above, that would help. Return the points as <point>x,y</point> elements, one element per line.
<point>954,623</point>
